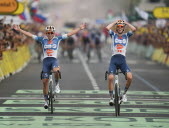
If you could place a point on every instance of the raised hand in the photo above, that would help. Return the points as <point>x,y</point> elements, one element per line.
<point>16,27</point>
<point>83,26</point>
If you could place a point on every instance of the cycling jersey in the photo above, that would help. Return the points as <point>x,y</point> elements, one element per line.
<point>119,44</point>
<point>50,48</point>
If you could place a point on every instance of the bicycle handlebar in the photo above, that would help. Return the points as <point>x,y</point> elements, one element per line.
<point>106,73</point>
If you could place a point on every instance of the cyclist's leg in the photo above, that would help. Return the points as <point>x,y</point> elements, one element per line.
<point>128,82</point>
<point>112,70</point>
<point>56,68</point>
<point>126,70</point>
<point>45,77</point>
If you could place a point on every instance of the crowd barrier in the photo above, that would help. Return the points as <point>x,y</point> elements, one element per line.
<point>155,54</point>
<point>14,61</point>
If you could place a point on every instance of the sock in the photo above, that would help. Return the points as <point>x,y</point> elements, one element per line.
<point>125,90</point>
<point>111,94</point>
<point>46,97</point>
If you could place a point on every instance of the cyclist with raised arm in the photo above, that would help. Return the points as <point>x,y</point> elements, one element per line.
<point>118,59</point>
<point>50,45</point>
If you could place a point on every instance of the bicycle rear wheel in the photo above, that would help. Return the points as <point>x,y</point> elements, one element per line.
<point>116,102</point>
<point>51,97</point>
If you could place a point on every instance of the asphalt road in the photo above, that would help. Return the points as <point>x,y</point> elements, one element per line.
<point>83,101</point>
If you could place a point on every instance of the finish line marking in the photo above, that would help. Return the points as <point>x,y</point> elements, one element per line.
<point>38,98</point>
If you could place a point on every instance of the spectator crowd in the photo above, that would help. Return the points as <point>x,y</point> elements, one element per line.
<point>10,39</point>
<point>150,34</point>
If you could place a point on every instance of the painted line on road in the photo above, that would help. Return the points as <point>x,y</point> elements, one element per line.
<point>146,82</point>
<point>38,98</point>
<point>87,70</point>
<point>34,92</point>
<point>86,102</point>
<point>85,110</point>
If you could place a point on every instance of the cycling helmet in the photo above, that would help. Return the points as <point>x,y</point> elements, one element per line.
<point>120,23</point>
<point>50,28</point>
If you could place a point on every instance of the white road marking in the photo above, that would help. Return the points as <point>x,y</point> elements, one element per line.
<point>87,70</point>
<point>146,82</point>
<point>98,98</point>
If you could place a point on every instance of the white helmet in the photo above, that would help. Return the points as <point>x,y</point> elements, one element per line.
<point>50,28</point>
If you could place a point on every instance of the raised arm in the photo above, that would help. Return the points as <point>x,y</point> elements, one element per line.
<point>81,27</point>
<point>111,25</point>
<point>133,29</point>
<point>16,27</point>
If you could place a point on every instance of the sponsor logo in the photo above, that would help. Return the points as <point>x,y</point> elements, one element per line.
<point>123,41</point>
<point>50,46</point>
<point>49,52</point>
<point>119,46</point>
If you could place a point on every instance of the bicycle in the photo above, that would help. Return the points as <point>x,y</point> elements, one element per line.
<point>117,95</point>
<point>51,93</point>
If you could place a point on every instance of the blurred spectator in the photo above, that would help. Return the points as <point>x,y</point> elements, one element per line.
<point>70,47</point>
<point>150,34</point>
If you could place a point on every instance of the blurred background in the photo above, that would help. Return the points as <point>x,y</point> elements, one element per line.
<point>151,39</point>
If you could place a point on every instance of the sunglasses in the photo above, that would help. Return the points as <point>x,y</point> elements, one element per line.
<point>120,26</point>
<point>49,33</point>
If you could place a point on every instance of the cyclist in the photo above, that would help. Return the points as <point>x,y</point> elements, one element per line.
<point>50,45</point>
<point>118,59</point>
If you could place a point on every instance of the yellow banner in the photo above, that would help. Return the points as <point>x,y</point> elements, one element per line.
<point>161,12</point>
<point>19,10</point>
<point>13,61</point>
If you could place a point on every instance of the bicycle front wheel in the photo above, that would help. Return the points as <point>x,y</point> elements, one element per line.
<point>51,97</point>
<point>118,107</point>
<point>116,102</point>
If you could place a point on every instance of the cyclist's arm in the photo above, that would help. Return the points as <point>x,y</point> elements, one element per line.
<point>82,26</point>
<point>26,33</point>
<point>16,27</point>
<point>133,29</point>
<point>111,25</point>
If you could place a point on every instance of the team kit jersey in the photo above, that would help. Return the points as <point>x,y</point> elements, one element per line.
<point>119,44</point>
<point>118,59</point>
<point>50,48</point>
